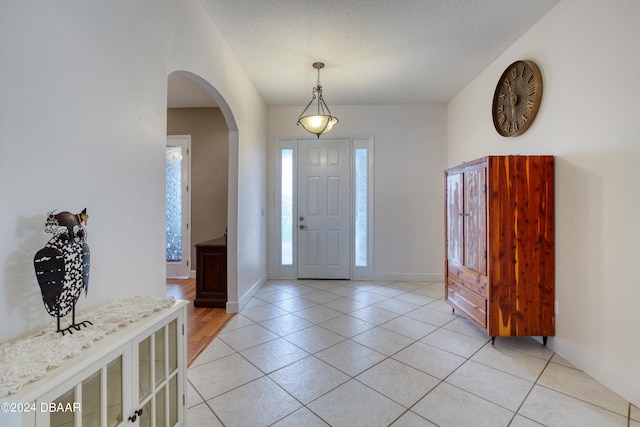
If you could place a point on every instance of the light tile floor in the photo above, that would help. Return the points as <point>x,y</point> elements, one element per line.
<point>342,353</point>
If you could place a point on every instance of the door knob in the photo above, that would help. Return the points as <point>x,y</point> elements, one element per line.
<point>302,227</point>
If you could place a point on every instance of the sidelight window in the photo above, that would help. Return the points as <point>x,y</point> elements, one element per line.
<point>286,206</point>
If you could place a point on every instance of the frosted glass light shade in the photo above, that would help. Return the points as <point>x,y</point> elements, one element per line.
<point>318,124</point>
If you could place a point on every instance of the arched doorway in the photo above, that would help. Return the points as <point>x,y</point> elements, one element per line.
<point>188,90</point>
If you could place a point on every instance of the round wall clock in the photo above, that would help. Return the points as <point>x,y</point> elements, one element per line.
<point>517,98</point>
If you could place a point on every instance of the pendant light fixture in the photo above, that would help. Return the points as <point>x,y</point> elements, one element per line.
<point>322,121</point>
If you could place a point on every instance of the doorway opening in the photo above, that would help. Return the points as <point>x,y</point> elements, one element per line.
<point>188,91</point>
<point>324,199</point>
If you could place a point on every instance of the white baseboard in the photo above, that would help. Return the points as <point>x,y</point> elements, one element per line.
<point>237,306</point>
<point>595,368</point>
<point>403,277</point>
<point>388,277</point>
<point>232,307</point>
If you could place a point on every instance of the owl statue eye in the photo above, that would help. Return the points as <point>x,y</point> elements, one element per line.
<point>79,234</point>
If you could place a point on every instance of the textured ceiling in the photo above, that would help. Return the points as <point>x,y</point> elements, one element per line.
<point>375,51</point>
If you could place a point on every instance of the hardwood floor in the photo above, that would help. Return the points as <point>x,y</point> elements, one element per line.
<point>203,323</point>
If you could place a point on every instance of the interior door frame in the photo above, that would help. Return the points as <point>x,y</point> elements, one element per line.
<point>183,269</point>
<point>289,271</point>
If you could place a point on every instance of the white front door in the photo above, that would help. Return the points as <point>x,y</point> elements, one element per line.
<point>324,243</point>
<point>178,206</point>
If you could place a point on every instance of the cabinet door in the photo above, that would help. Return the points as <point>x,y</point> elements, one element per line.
<point>160,380</point>
<point>475,220</point>
<point>466,219</point>
<point>211,276</point>
<point>95,400</point>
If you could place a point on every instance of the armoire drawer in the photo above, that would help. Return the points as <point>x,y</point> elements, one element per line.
<point>474,305</point>
<point>472,280</point>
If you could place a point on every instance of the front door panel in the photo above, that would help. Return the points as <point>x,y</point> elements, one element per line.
<point>324,209</point>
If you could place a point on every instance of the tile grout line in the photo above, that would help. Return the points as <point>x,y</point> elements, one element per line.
<point>314,354</point>
<point>517,412</point>
<point>386,357</point>
<point>266,375</point>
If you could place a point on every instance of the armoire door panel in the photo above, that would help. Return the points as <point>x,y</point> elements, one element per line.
<point>454,218</point>
<point>475,216</point>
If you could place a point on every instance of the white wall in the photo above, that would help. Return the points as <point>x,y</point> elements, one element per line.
<point>588,53</point>
<point>409,154</point>
<point>83,119</point>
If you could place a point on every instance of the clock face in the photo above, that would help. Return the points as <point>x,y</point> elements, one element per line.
<point>517,98</point>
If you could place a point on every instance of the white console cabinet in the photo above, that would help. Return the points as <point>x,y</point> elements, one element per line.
<point>134,376</point>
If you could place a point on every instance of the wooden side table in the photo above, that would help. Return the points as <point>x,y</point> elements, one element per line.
<point>211,273</point>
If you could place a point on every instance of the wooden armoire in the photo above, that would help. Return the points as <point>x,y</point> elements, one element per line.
<point>499,237</point>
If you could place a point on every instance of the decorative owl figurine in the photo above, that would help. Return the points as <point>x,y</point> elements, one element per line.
<point>62,266</point>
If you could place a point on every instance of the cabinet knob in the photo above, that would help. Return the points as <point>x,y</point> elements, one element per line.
<point>135,415</point>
